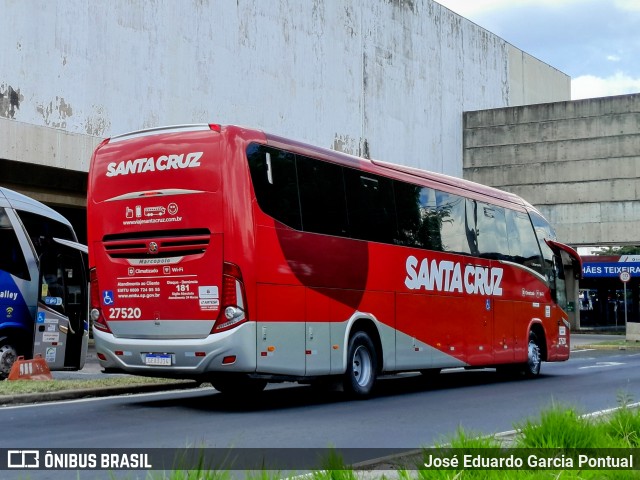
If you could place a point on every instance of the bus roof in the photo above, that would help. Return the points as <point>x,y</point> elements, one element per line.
<point>22,202</point>
<point>392,170</point>
<point>375,166</point>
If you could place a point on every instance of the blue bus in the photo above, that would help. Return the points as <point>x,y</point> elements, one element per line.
<point>43,286</point>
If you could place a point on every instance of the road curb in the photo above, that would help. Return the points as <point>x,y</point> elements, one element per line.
<point>607,347</point>
<point>75,394</point>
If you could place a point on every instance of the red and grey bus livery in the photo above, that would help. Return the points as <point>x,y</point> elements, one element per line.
<point>268,259</point>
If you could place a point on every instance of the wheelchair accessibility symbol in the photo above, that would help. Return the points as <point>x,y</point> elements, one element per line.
<point>107,297</point>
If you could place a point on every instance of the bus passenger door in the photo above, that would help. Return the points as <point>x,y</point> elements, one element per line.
<point>62,329</point>
<point>566,272</point>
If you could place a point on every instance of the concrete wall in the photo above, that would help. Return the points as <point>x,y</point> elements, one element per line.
<point>578,162</point>
<point>23,142</point>
<point>387,79</point>
<point>47,164</point>
<point>532,81</point>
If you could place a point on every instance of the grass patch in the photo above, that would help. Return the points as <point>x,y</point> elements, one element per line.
<point>21,387</point>
<point>561,428</point>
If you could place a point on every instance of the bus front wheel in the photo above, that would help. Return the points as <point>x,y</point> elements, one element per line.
<point>534,358</point>
<point>8,356</point>
<point>362,365</point>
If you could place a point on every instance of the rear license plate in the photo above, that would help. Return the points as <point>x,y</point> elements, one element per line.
<point>157,359</point>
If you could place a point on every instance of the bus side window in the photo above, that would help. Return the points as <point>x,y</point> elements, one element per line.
<point>458,233</point>
<point>491,232</point>
<point>543,230</point>
<point>370,207</point>
<point>523,245</point>
<point>11,257</point>
<point>322,197</point>
<point>418,219</point>
<point>275,183</point>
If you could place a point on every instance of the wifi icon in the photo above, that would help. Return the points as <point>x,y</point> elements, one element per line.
<point>9,312</point>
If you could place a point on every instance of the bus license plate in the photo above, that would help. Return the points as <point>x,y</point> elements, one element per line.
<point>157,359</point>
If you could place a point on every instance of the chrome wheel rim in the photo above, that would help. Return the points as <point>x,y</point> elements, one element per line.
<point>362,366</point>
<point>534,357</point>
<point>8,356</point>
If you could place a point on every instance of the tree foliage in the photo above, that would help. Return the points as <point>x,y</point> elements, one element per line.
<point>626,250</point>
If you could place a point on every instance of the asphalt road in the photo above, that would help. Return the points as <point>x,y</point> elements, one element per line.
<point>406,412</point>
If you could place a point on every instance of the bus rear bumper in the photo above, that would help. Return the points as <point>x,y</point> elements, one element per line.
<point>233,351</point>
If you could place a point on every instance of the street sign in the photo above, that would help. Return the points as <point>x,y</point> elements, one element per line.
<point>625,277</point>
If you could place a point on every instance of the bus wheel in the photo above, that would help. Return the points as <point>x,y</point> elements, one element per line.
<point>8,356</point>
<point>239,385</point>
<point>362,365</point>
<point>532,367</point>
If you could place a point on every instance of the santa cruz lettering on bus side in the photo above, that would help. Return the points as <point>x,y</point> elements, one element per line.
<point>448,276</point>
<point>163,162</point>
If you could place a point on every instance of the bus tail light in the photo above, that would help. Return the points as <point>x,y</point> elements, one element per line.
<point>95,309</point>
<point>233,302</point>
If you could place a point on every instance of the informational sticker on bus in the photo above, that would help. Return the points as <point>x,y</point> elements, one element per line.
<point>139,292</point>
<point>136,214</point>
<point>209,297</point>
<point>139,289</point>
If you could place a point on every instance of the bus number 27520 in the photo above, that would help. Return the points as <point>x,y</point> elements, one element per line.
<point>125,313</point>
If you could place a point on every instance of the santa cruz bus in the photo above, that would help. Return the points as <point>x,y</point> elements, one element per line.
<point>238,257</point>
<point>43,286</point>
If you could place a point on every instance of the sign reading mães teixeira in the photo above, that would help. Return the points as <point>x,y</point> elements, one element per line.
<point>599,267</point>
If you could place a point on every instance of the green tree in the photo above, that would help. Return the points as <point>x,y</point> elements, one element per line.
<point>626,250</point>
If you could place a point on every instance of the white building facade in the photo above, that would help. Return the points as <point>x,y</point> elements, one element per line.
<point>386,79</point>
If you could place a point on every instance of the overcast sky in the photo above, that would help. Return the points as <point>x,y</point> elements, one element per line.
<point>595,42</point>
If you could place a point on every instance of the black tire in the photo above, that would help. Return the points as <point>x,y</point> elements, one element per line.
<point>239,386</point>
<point>509,370</point>
<point>362,366</point>
<point>531,368</point>
<point>8,356</point>
<point>430,373</point>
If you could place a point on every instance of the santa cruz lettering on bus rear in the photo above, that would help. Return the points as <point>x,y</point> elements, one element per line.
<point>448,276</point>
<point>151,164</point>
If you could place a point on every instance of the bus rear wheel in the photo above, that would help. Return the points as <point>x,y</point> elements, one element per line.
<point>362,366</point>
<point>237,386</point>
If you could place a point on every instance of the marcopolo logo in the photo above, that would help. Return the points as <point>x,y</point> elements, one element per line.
<point>448,276</point>
<point>151,164</point>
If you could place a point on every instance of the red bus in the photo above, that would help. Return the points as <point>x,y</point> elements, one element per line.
<point>239,257</point>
